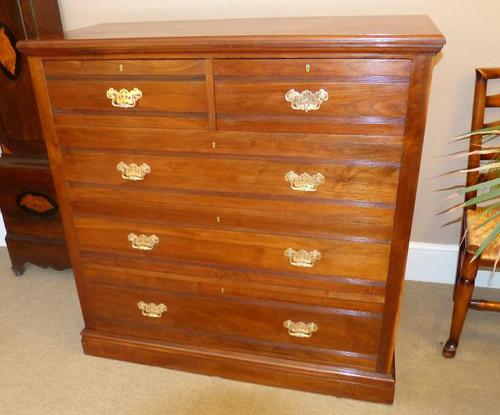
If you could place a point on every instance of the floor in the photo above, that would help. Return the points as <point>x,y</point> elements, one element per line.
<point>43,370</point>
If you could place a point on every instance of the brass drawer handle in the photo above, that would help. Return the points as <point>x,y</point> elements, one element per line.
<point>124,98</point>
<point>302,258</point>
<point>306,100</point>
<point>300,329</point>
<point>151,309</point>
<point>304,182</point>
<point>143,242</point>
<point>133,171</point>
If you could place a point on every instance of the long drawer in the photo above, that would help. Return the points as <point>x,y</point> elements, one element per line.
<point>220,281</point>
<point>287,178</point>
<point>303,333</point>
<point>324,220</point>
<point>240,250</point>
<point>360,149</point>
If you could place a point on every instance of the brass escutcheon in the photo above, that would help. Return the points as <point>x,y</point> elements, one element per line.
<point>302,258</point>
<point>306,100</point>
<point>151,309</point>
<point>304,182</point>
<point>143,242</point>
<point>133,171</point>
<point>300,329</point>
<point>124,98</point>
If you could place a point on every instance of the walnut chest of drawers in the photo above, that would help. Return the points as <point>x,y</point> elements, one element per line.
<point>237,195</point>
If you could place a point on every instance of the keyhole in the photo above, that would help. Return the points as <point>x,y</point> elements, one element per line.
<point>308,68</point>
<point>120,67</point>
<point>222,290</point>
<point>214,144</point>
<point>217,219</point>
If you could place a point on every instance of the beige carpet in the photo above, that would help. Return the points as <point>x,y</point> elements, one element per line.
<point>43,370</point>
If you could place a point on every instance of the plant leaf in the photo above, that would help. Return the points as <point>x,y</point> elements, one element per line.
<point>489,183</point>
<point>483,197</point>
<point>486,167</point>
<point>488,130</point>
<point>491,236</point>
<point>484,150</point>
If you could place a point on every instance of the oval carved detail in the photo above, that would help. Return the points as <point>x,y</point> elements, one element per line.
<point>37,204</point>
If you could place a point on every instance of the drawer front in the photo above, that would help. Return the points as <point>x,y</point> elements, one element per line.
<point>122,68</point>
<point>156,97</point>
<point>264,145</point>
<point>128,93</point>
<point>321,96</point>
<point>276,179</point>
<point>239,250</point>
<point>360,69</point>
<point>198,279</point>
<point>270,328</point>
<point>27,198</point>
<point>281,217</point>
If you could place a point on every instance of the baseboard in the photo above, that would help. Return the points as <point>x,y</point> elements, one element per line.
<point>437,263</point>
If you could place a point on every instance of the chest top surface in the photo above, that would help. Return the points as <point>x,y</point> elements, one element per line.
<point>363,33</point>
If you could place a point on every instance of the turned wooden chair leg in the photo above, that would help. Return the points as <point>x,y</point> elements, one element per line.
<point>458,273</point>
<point>463,296</point>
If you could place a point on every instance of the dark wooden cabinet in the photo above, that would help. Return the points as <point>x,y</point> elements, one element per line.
<point>238,195</point>
<point>27,196</point>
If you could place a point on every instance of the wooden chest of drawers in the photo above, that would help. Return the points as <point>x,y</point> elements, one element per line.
<point>237,195</point>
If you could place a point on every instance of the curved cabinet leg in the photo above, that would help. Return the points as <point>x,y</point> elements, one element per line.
<point>463,295</point>
<point>18,270</point>
<point>18,263</point>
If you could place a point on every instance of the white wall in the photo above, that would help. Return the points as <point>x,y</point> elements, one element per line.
<point>473,40</point>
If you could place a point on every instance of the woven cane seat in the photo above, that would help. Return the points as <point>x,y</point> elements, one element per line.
<point>476,235</point>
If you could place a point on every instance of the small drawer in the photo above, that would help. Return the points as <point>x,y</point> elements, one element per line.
<point>143,93</point>
<point>353,96</point>
<point>301,333</point>
<point>332,107</point>
<point>238,250</point>
<point>179,68</point>
<point>226,175</point>
<point>307,69</point>
<point>138,97</point>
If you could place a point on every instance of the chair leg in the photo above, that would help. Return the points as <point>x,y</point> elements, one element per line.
<point>458,273</point>
<point>461,253</point>
<point>463,296</point>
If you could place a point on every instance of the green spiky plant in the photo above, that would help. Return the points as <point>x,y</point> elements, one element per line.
<point>488,191</point>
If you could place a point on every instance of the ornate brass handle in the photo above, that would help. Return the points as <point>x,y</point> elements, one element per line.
<point>143,242</point>
<point>302,258</point>
<point>124,98</point>
<point>133,171</point>
<point>300,329</point>
<point>306,100</point>
<point>151,309</point>
<point>304,182</point>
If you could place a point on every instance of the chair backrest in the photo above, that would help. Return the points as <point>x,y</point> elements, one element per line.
<point>481,101</point>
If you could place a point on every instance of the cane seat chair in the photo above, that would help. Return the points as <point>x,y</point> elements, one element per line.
<point>474,216</point>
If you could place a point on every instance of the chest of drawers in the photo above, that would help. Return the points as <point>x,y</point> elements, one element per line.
<point>237,195</point>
